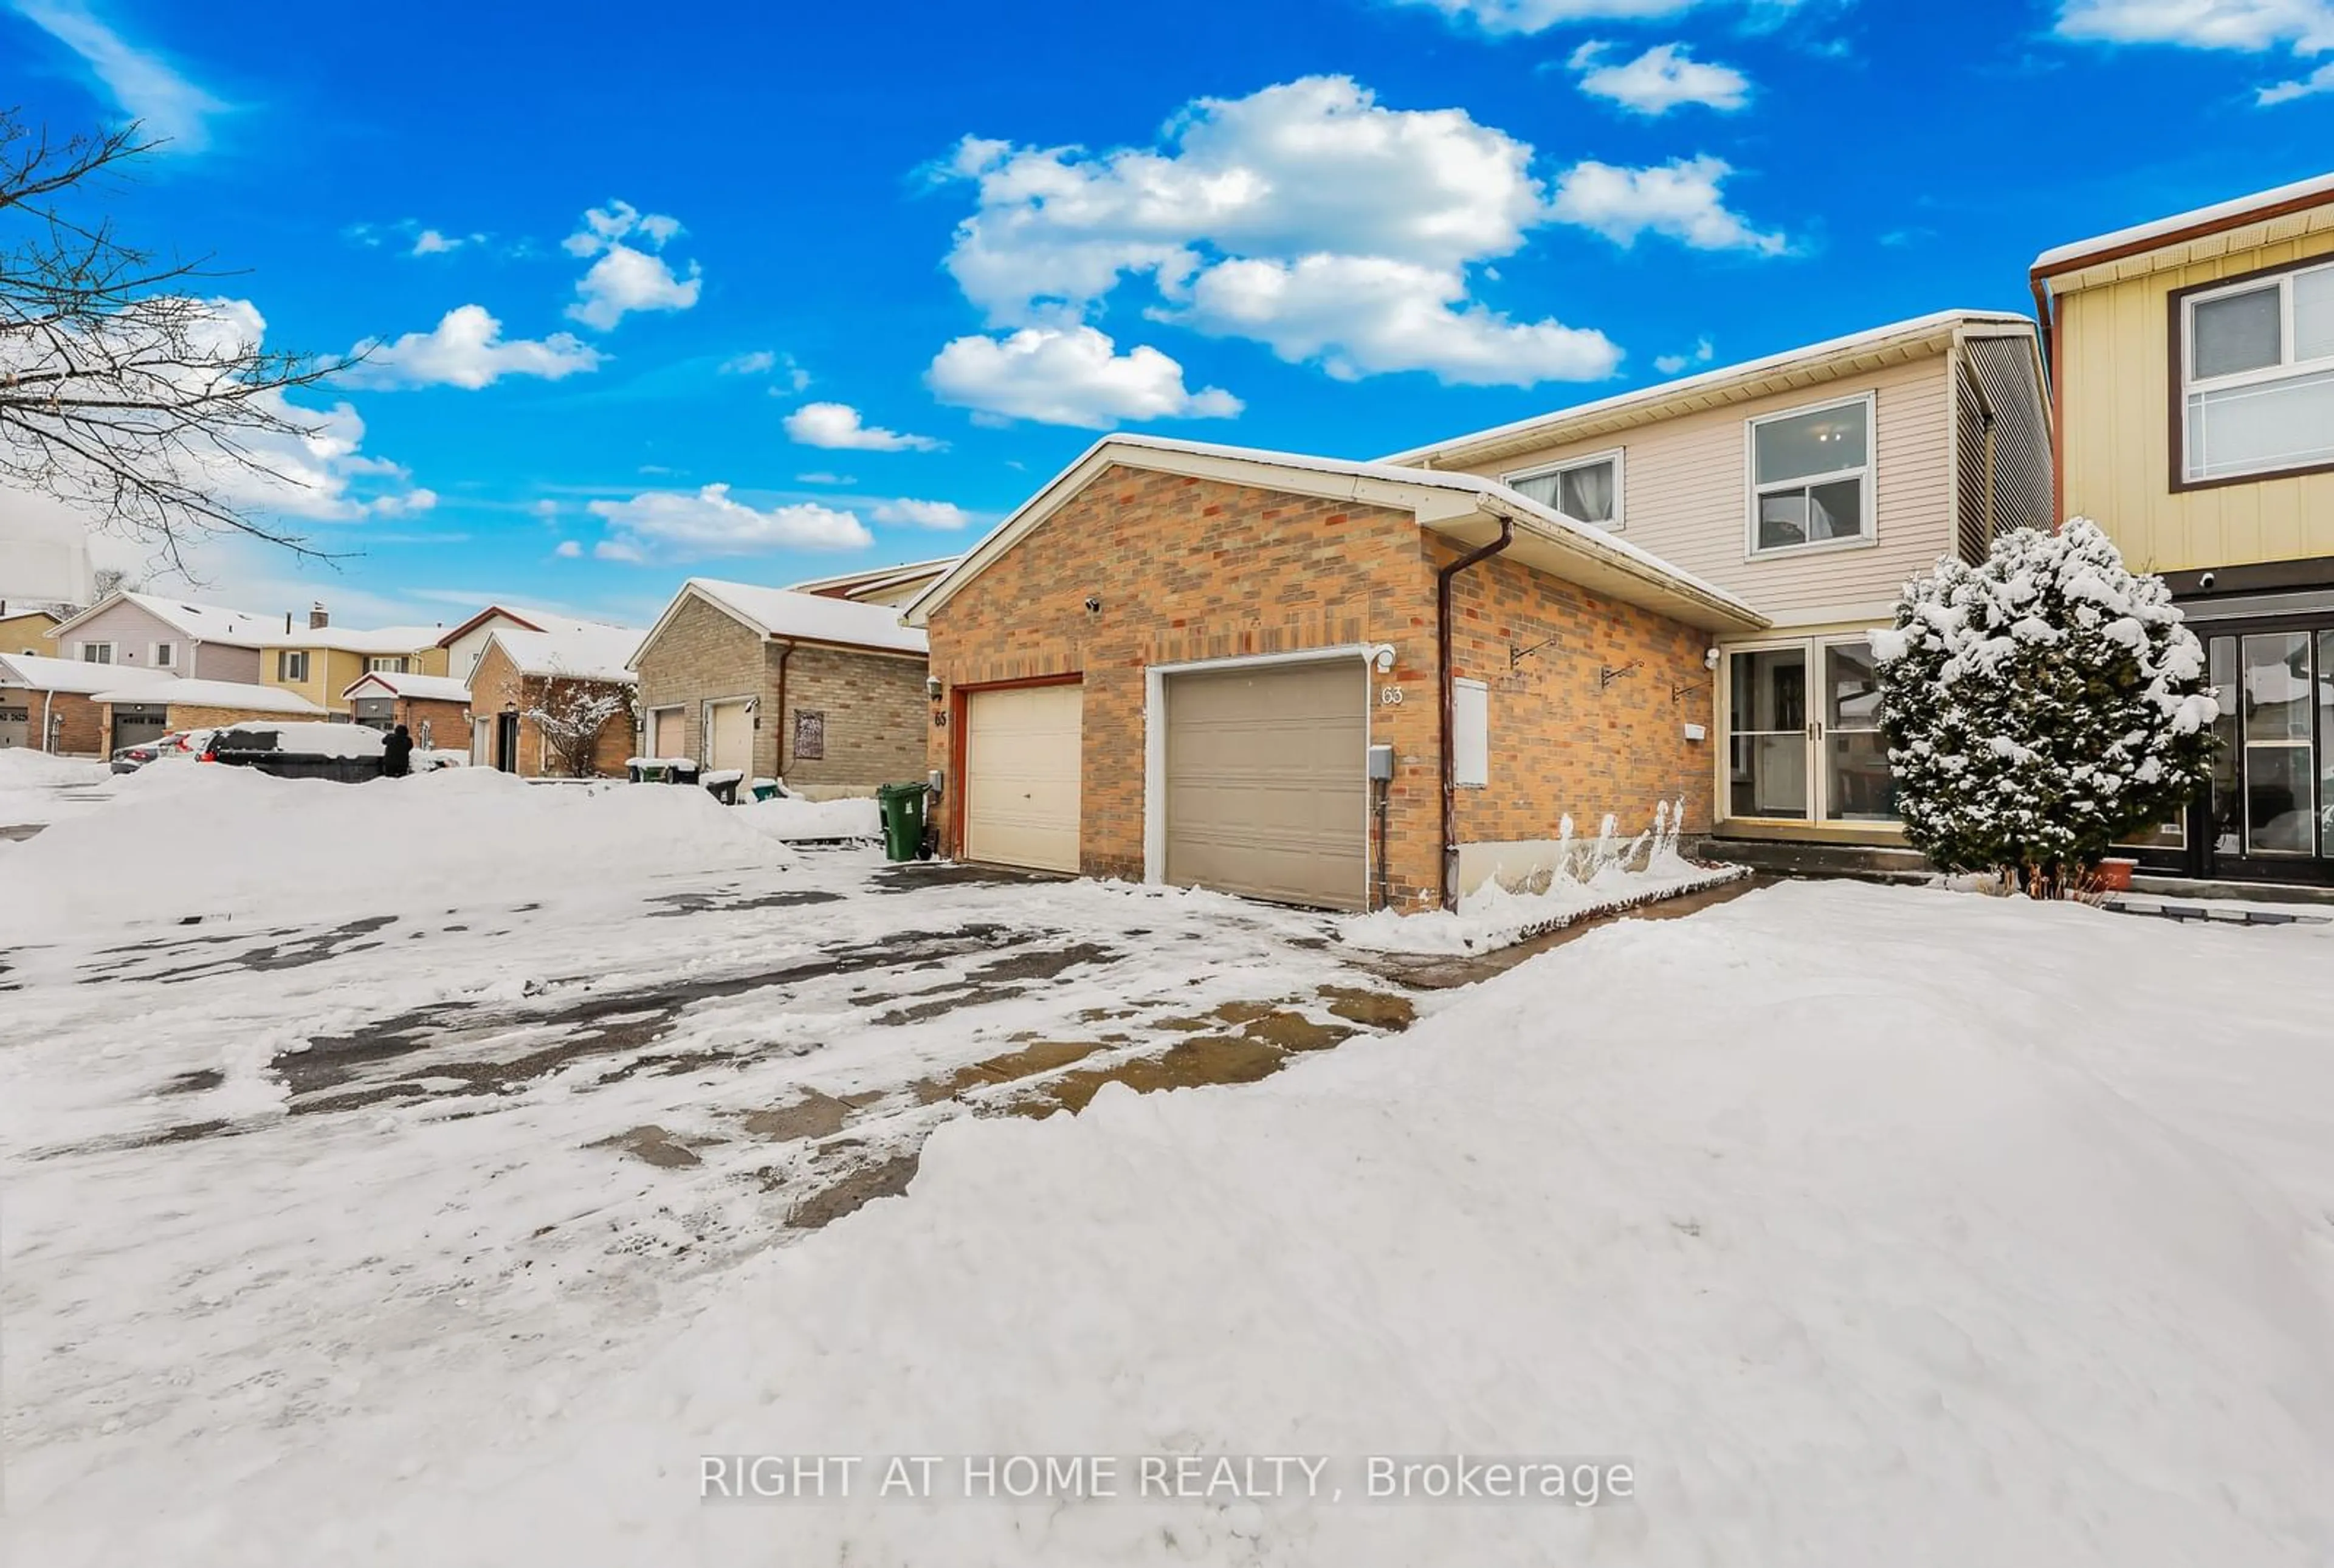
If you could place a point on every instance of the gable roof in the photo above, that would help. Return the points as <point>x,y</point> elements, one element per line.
<point>386,640</point>
<point>41,673</point>
<point>394,683</point>
<point>851,584</point>
<point>791,615</point>
<point>1791,369</point>
<point>1465,507</point>
<point>201,622</point>
<point>2305,196</point>
<point>29,612</point>
<point>582,650</point>
<point>173,690</point>
<point>523,620</point>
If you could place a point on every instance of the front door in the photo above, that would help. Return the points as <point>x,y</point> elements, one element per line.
<point>1803,734</point>
<point>507,742</point>
<point>2270,813</point>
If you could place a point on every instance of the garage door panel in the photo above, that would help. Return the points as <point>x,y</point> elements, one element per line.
<point>1265,792</point>
<point>733,737</point>
<point>1024,765</point>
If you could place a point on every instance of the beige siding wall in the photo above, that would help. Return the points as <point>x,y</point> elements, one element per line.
<point>2115,354</point>
<point>1685,496</point>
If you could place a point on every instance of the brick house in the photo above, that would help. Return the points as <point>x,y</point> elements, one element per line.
<point>819,690</point>
<point>51,704</point>
<point>138,712</point>
<point>893,585</point>
<point>435,709</point>
<point>1173,663</point>
<point>519,673</point>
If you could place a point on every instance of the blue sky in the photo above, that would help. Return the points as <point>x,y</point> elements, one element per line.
<point>773,292</point>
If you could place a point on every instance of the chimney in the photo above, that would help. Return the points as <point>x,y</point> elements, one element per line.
<point>316,616</point>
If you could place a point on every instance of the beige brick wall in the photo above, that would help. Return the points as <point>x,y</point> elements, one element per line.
<point>498,684</point>
<point>79,723</point>
<point>1192,569</point>
<point>704,655</point>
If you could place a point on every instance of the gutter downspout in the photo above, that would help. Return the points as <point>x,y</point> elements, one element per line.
<point>2046,319</point>
<point>778,755</point>
<point>1443,577</point>
<point>48,735</point>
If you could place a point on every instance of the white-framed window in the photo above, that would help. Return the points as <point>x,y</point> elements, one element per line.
<point>97,653</point>
<point>166,656</point>
<point>1588,488</point>
<point>292,665</point>
<point>2257,376</point>
<point>1811,477</point>
<point>395,664</point>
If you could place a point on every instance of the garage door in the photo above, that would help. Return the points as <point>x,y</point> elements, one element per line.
<point>1022,764</point>
<point>733,739</point>
<point>15,725</point>
<point>136,726</point>
<point>1265,787</point>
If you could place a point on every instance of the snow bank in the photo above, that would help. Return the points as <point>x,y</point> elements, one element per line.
<point>24,768</point>
<point>790,817</point>
<point>210,841</point>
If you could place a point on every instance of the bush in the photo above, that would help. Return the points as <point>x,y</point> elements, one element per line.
<point>2041,706</point>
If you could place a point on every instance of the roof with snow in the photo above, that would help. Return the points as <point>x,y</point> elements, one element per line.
<point>386,640</point>
<point>584,650</point>
<point>2257,207</point>
<point>426,688</point>
<point>1465,507</point>
<point>1893,343</point>
<point>522,617</point>
<point>851,584</point>
<point>39,673</point>
<point>235,694</point>
<point>201,622</point>
<point>794,616</point>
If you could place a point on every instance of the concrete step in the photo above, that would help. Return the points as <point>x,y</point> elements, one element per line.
<point>1791,858</point>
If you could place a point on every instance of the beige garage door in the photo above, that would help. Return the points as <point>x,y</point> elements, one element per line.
<point>1265,787</point>
<point>733,737</point>
<point>1022,763</point>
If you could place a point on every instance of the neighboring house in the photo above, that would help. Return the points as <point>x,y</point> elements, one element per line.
<point>2192,373</point>
<point>896,585</point>
<point>435,709</point>
<point>32,631</point>
<point>151,631</point>
<point>51,704</point>
<point>320,660</point>
<point>139,710</point>
<point>1174,663</point>
<point>466,643</point>
<point>816,689</point>
<point>1811,485</point>
<point>522,675</point>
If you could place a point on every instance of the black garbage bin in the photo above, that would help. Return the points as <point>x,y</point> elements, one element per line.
<point>723,787</point>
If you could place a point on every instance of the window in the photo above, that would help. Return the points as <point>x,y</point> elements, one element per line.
<point>2257,387</point>
<point>166,655</point>
<point>1812,477</point>
<point>397,665</point>
<point>1471,734</point>
<point>1588,488</point>
<point>97,653</point>
<point>292,666</point>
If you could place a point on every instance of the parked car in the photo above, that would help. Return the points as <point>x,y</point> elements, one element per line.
<point>349,752</point>
<point>130,758</point>
<point>179,745</point>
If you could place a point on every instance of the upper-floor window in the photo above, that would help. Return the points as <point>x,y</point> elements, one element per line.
<point>2257,376</point>
<point>1812,477</point>
<point>97,653</point>
<point>166,655</point>
<point>390,665</point>
<point>1588,488</point>
<point>292,665</point>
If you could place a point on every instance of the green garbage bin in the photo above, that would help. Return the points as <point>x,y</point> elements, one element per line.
<point>903,820</point>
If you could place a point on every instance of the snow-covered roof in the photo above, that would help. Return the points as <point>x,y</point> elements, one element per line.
<point>523,618</point>
<point>237,694</point>
<point>202,622</point>
<point>584,650</point>
<point>1547,429</point>
<point>39,673</point>
<point>850,584</point>
<point>427,688</point>
<point>1622,567</point>
<point>386,640</point>
<point>811,617</point>
<point>2219,214</point>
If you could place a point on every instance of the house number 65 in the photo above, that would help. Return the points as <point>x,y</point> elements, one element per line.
<point>1391,696</point>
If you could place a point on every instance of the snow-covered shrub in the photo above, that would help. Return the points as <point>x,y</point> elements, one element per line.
<point>570,713</point>
<point>2041,706</point>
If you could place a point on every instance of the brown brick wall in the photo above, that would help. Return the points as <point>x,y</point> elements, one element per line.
<point>450,723</point>
<point>497,684</point>
<point>1190,569</point>
<point>80,724</point>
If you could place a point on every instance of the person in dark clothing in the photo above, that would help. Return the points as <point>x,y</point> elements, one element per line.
<point>397,753</point>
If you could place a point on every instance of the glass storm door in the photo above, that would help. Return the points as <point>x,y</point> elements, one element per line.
<point>1858,785</point>
<point>1794,759</point>
<point>1770,734</point>
<point>2272,774</point>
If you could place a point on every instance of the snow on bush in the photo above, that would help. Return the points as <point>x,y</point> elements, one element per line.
<point>570,716</point>
<point>2040,705</point>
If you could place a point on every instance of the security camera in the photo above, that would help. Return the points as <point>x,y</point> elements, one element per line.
<point>2205,583</point>
<point>1383,657</point>
<point>1709,659</point>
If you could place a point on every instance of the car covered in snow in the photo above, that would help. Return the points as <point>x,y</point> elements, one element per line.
<point>181,745</point>
<point>351,753</point>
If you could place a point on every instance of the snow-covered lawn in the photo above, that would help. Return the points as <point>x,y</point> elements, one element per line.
<point>1865,1224</point>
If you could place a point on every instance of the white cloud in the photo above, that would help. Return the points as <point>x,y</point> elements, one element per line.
<point>1502,16</point>
<point>792,377</point>
<point>433,242</point>
<point>1663,78</point>
<point>145,86</point>
<point>1308,216</point>
<point>711,523</point>
<point>1679,199</point>
<point>760,363</point>
<point>618,550</point>
<point>922,513</point>
<point>1671,364</point>
<point>1069,376</point>
<point>823,477</point>
<point>627,278</point>
<point>2244,24</point>
<point>2318,81</point>
<point>1360,315</point>
<point>466,349</point>
<point>838,426</point>
<point>568,550</point>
